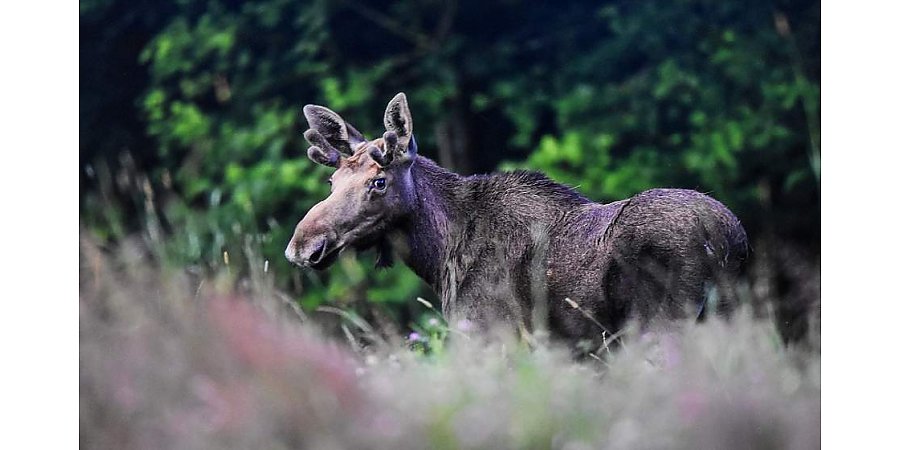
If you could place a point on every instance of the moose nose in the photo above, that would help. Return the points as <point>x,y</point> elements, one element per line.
<point>291,253</point>
<point>312,251</point>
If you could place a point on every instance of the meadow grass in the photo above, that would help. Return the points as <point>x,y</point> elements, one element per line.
<point>171,360</point>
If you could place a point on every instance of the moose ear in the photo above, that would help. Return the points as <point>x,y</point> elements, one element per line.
<point>336,132</point>
<point>398,120</point>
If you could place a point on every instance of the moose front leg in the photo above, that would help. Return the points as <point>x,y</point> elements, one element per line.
<point>486,302</point>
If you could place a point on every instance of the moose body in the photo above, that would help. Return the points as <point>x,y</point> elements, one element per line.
<point>516,249</point>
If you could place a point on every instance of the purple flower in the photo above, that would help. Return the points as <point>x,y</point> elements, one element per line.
<point>465,325</point>
<point>414,337</point>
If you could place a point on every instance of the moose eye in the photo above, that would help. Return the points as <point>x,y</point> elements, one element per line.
<point>379,184</point>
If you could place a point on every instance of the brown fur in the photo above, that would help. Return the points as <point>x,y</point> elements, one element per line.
<point>517,249</point>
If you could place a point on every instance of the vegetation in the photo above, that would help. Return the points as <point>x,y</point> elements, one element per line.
<point>191,123</point>
<point>196,333</point>
<point>167,365</point>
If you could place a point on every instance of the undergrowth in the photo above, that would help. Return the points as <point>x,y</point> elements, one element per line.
<point>172,360</point>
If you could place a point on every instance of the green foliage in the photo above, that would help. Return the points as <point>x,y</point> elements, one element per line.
<point>705,110</point>
<point>431,332</point>
<point>612,97</point>
<point>216,107</point>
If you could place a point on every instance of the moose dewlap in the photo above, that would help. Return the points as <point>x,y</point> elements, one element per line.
<point>515,249</point>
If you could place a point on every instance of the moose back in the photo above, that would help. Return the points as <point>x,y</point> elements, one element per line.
<point>515,249</point>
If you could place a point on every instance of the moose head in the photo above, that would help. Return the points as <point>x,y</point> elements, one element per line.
<point>371,188</point>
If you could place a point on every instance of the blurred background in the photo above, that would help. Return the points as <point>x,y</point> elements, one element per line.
<point>191,143</point>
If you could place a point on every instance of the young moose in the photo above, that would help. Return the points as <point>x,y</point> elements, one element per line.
<point>515,249</point>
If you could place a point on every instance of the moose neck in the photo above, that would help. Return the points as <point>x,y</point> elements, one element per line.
<point>424,236</point>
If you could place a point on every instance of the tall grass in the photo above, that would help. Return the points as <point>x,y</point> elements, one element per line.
<point>171,361</point>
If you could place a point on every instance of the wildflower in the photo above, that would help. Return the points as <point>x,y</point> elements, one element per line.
<point>414,337</point>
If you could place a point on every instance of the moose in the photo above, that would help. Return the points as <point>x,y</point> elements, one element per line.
<point>516,249</point>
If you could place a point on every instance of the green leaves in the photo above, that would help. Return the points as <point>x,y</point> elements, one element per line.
<point>612,98</point>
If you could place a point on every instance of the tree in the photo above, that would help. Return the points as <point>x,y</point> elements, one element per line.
<point>614,98</point>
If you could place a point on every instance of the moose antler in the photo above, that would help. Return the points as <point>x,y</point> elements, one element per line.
<point>331,137</point>
<point>329,134</point>
<point>321,151</point>
<point>384,157</point>
<point>399,144</point>
<point>392,152</point>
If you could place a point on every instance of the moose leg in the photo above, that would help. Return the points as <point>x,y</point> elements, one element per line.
<point>632,291</point>
<point>487,305</point>
<point>655,284</point>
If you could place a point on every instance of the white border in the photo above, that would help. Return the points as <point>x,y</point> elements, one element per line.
<point>860,230</point>
<point>860,84</point>
<point>39,331</point>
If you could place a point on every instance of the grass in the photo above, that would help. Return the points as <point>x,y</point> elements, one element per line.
<point>171,361</point>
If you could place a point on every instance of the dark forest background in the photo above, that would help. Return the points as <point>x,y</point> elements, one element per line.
<point>191,141</point>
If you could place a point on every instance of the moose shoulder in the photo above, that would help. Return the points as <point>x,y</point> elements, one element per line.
<point>515,248</point>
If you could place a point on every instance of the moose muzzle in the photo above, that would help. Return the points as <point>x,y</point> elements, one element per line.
<point>317,252</point>
<point>314,244</point>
